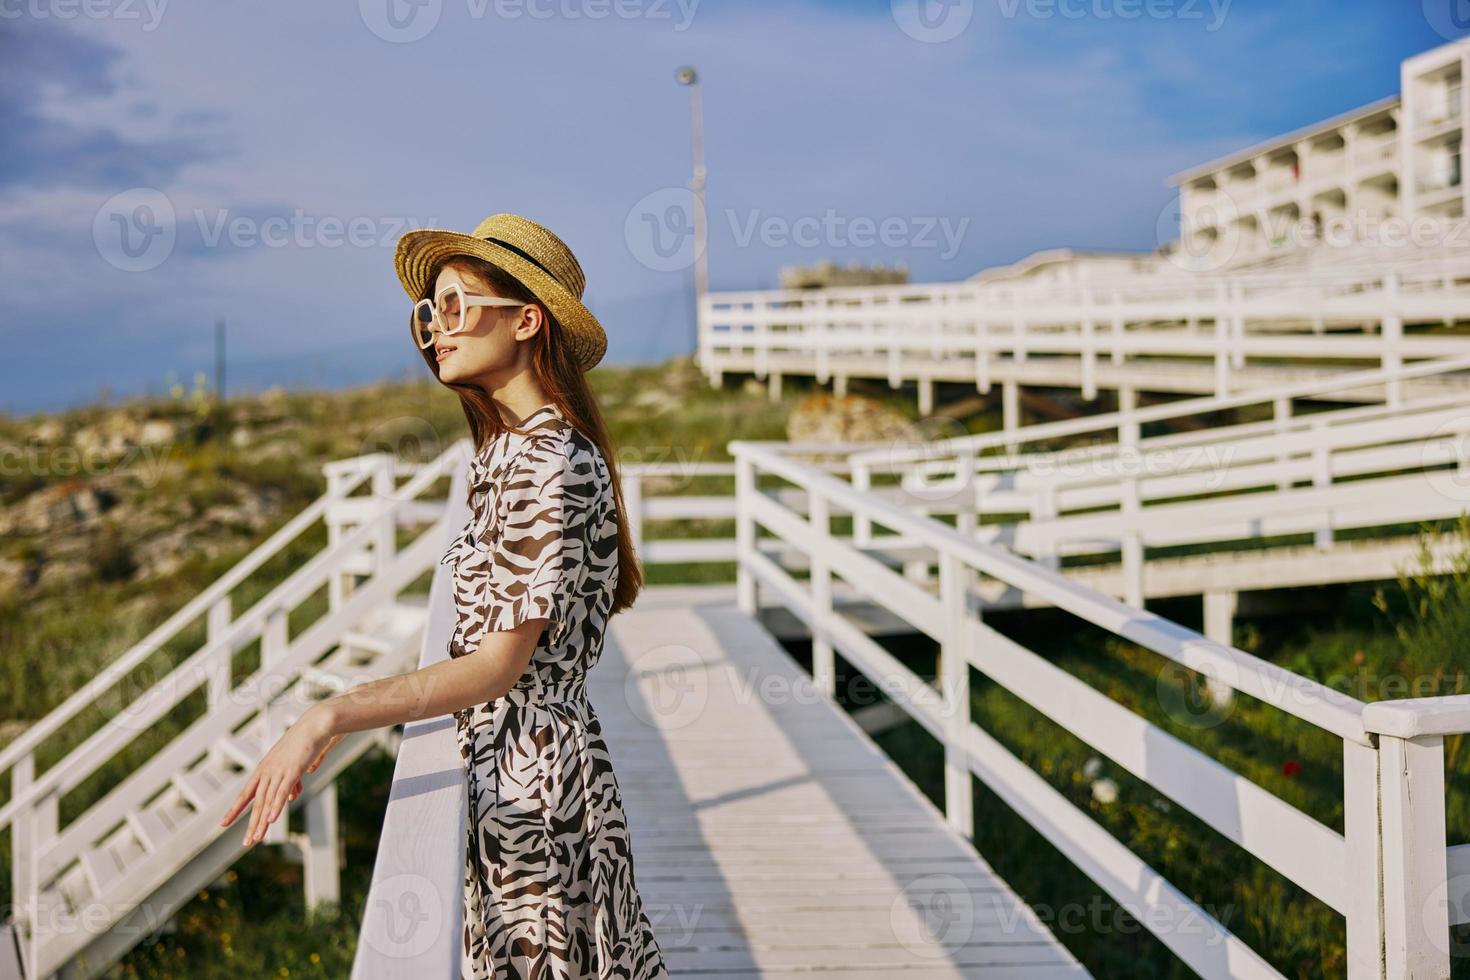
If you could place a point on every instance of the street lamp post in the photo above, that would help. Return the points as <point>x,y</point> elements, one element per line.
<point>687,76</point>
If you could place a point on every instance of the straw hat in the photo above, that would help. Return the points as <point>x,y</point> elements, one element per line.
<point>532,254</point>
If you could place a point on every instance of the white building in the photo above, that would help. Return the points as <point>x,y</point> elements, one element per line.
<point>1370,176</point>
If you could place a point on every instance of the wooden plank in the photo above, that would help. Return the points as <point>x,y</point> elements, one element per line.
<point>770,835</point>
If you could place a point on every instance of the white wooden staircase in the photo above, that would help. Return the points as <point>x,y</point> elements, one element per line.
<point>87,892</point>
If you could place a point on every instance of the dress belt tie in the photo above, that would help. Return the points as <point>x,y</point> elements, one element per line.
<point>537,690</point>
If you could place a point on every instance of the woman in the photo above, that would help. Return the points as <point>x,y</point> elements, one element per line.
<point>542,563</point>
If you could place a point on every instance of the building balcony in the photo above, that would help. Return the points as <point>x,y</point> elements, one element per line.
<point>1372,155</point>
<point>1439,113</point>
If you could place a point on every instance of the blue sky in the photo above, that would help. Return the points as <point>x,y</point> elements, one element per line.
<point>259,160</point>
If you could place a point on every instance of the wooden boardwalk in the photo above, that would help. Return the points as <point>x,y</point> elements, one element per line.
<point>771,837</point>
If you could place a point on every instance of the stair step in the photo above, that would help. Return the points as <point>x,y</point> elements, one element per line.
<point>339,678</point>
<point>242,748</point>
<point>152,829</point>
<point>199,788</point>
<point>373,642</point>
<point>103,867</point>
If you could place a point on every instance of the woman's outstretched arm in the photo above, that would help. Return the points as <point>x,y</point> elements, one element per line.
<point>484,674</point>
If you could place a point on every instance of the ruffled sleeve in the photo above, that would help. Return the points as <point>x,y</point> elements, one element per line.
<point>537,552</point>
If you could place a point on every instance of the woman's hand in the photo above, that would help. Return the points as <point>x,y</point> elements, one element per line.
<point>277,779</point>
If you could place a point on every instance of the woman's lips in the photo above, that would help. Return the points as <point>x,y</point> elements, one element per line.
<point>444,353</point>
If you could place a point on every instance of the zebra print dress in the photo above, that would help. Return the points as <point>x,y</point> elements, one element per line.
<point>549,891</point>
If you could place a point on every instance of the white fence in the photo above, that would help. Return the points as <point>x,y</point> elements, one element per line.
<point>1390,873</point>
<point>70,893</point>
<point>972,331</point>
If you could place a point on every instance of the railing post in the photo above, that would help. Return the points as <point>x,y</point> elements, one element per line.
<point>23,841</point>
<point>1118,325</point>
<point>1089,346</point>
<point>747,596</point>
<point>955,579</point>
<point>1222,346</point>
<point>862,525</point>
<point>1322,478</point>
<point>1281,412</point>
<point>982,357</point>
<point>321,872</point>
<point>822,337</point>
<point>1364,870</point>
<point>274,644</point>
<point>1130,505</point>
<point>336,528</point>
<point>1044,508</point>
<point>217,622</point>
<point>382,489</point>
<point>824,668</point>
<point>1416,920</point>
<point>41,831</point>
<point>633,507</point>
<point>1237,326</point>
<point>1392,336</point>
<point>702,311</point>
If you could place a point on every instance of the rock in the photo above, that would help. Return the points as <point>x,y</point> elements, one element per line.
<point>656,400</point>
<point>156,432</point>
<point>823,417</point>
<point>50,431</point>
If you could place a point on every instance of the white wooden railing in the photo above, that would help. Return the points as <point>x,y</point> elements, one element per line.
<point>1200,488</point>
<point>975,328</point>
<point>1389,873</point>
<point>361,542</point>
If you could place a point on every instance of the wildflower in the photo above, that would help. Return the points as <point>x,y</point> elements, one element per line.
<point>1290,768</point>
<point>1104,790</point>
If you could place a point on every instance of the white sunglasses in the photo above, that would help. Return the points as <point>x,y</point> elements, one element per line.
<point>448,312</point>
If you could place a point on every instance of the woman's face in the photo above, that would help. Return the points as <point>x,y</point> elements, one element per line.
<point>488,350</point>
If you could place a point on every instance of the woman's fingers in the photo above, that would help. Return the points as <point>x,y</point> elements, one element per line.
<point>258,823</point>
<point>240,801</point>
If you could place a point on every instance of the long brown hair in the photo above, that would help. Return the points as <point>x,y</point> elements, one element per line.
<point>565,384</point>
